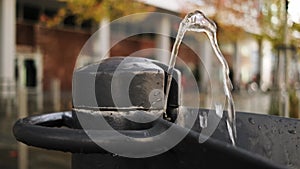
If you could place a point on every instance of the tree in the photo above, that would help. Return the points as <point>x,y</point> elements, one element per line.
<point>273,21</point>
<point>96,10</point>
<point>235,17</point>
<point>99,12</point>
<point>278,27</point>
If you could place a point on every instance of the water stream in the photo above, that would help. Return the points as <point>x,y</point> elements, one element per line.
<point>198,22</point>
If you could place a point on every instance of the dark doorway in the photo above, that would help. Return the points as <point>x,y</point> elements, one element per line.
<point>31,73</point>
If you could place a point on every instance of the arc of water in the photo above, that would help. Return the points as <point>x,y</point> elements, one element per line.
<point>198,22</point>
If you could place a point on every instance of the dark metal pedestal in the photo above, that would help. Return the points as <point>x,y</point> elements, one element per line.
<point>263,142</point>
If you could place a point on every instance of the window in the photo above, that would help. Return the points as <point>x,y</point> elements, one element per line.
<point>31,13</point>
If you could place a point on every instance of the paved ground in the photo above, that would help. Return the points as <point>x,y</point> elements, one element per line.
<point>11,152</point>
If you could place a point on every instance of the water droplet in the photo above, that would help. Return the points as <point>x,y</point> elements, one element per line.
<point>203,119</point>
<point>146,134</point>
<point>219,110</point>
<point>250,119</point>
<point>259,127</point>
<point>292,131</point>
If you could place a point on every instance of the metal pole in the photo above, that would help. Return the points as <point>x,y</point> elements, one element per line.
<point>39,88</point>
<point>104,38</point>
<point>163,41</point>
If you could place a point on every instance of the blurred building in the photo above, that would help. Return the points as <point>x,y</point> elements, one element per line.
<point>38,54</point>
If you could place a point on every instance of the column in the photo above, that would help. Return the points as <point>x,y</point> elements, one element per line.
<point>206,56</point>
<point>7,47</point>
<point>104,38</point>
<point>236,65</point>
<point>101,41</point>
<point>39,87</point>
<point>163,52</point>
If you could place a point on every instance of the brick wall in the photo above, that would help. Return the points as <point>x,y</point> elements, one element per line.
<point>25,34</point>
<point>60,49</point>
<point>133,44</point>
<point>130,45</point>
